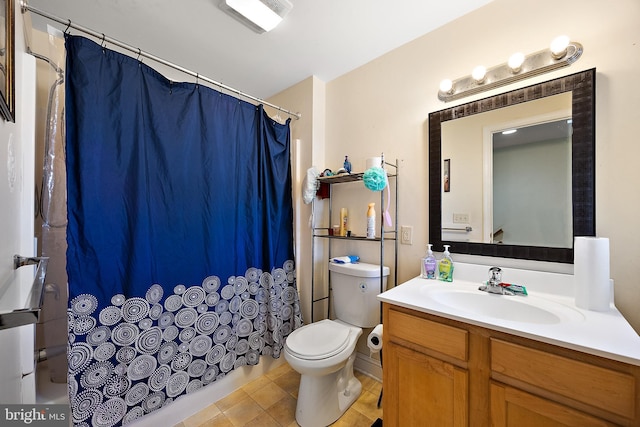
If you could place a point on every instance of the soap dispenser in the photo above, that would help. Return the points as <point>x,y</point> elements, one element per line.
<point>429,264</point>
<point>445,268</point>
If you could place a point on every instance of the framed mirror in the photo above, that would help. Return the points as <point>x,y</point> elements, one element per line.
<point>463,216</point>
<point>7,67</point>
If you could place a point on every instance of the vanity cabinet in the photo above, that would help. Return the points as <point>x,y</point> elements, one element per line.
<point>516,408</point>
<point>429,388</point>
<point>442,372</point>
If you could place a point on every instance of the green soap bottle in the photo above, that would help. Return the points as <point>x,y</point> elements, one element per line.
<point>445,267</point>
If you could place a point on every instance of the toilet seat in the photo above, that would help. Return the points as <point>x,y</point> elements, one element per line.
<point>318,340</point>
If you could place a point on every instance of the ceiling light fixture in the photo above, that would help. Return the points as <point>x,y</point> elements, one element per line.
<point>561,53</point>
<point>259,15</point>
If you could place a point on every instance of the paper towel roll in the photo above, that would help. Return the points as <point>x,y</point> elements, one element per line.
<point>374,341</point>
<point>592,286</point>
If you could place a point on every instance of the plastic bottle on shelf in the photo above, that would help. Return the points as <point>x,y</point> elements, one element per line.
<point>429,264</point>
<point>371,221</point>
<point>344,220</point>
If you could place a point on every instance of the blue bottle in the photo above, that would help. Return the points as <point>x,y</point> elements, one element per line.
<point>347,164</point>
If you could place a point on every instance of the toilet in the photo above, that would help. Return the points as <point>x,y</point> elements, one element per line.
<point>323,352</point>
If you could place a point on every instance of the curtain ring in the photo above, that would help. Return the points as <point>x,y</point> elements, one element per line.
<point>66,30</point>
<point>139,52</point>
<point>103,43</point>
<point>197,77</point>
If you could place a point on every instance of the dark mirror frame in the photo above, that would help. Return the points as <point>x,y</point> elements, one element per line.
<point>7,66</point>
<point>582,88</point>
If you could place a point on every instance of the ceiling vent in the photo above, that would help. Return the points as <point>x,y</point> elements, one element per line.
<point>259,15</point>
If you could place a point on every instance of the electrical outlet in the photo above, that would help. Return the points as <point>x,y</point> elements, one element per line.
<point>461,218</point>
<point>406,235</point>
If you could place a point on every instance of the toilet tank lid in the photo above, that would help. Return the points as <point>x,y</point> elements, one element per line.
<point>359,269</point>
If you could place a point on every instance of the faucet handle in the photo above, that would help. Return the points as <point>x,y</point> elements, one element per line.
<point>495,275</point>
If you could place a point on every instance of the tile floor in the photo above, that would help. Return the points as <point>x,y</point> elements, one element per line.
<point>270,401</point>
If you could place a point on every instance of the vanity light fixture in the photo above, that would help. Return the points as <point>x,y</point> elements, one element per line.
<point>561,53</point>
<point>479,73</point>
<point>558,46</point>
<point>515,62</point>
<point>446,86</point>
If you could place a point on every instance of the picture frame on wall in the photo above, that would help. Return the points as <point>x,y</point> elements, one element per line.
<point>7,56</point>
<point>446,179</point>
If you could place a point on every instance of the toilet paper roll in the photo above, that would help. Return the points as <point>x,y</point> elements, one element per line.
<point>373,161</point>
<point>374,341</point>
<point>592,285</point>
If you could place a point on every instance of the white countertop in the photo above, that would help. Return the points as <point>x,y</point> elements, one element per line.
<point>605,334</point>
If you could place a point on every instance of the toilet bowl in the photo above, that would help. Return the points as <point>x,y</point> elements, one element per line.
<point>324,352</point>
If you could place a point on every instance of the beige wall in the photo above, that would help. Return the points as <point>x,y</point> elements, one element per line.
<point>383,107</point>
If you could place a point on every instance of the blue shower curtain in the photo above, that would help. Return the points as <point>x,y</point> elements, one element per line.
<point>180,236</point>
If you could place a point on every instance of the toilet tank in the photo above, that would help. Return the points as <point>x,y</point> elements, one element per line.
<point>355,287</point>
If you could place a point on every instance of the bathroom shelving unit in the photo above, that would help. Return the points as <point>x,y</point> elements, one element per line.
<point>385,235</point>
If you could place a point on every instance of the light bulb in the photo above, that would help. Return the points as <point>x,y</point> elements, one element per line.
<point>446,85</point>
<point>515,62</point>
<point>479,73</point>
<point>559,46</point>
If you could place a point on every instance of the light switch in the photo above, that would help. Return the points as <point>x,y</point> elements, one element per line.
<point>461,218</point>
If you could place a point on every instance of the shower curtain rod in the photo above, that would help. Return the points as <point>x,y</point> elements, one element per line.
<point>26,7</point>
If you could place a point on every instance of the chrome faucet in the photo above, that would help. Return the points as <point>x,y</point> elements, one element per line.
<point>493,285</point>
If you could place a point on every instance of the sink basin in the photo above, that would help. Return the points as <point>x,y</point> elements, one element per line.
<point>524,309</point>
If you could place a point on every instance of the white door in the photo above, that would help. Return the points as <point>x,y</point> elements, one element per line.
<point>17,375</point>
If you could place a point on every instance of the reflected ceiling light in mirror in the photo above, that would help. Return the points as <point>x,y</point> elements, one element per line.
<point>561,53</point>
<point>509,132</point>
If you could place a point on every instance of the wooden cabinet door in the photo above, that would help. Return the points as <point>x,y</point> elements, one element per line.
<point>423,391</point>
<point>511,407</point>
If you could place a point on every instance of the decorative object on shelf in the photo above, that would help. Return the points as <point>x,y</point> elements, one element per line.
<point>375,178</point>
<point>347,164</point>
<point>561,53</point>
